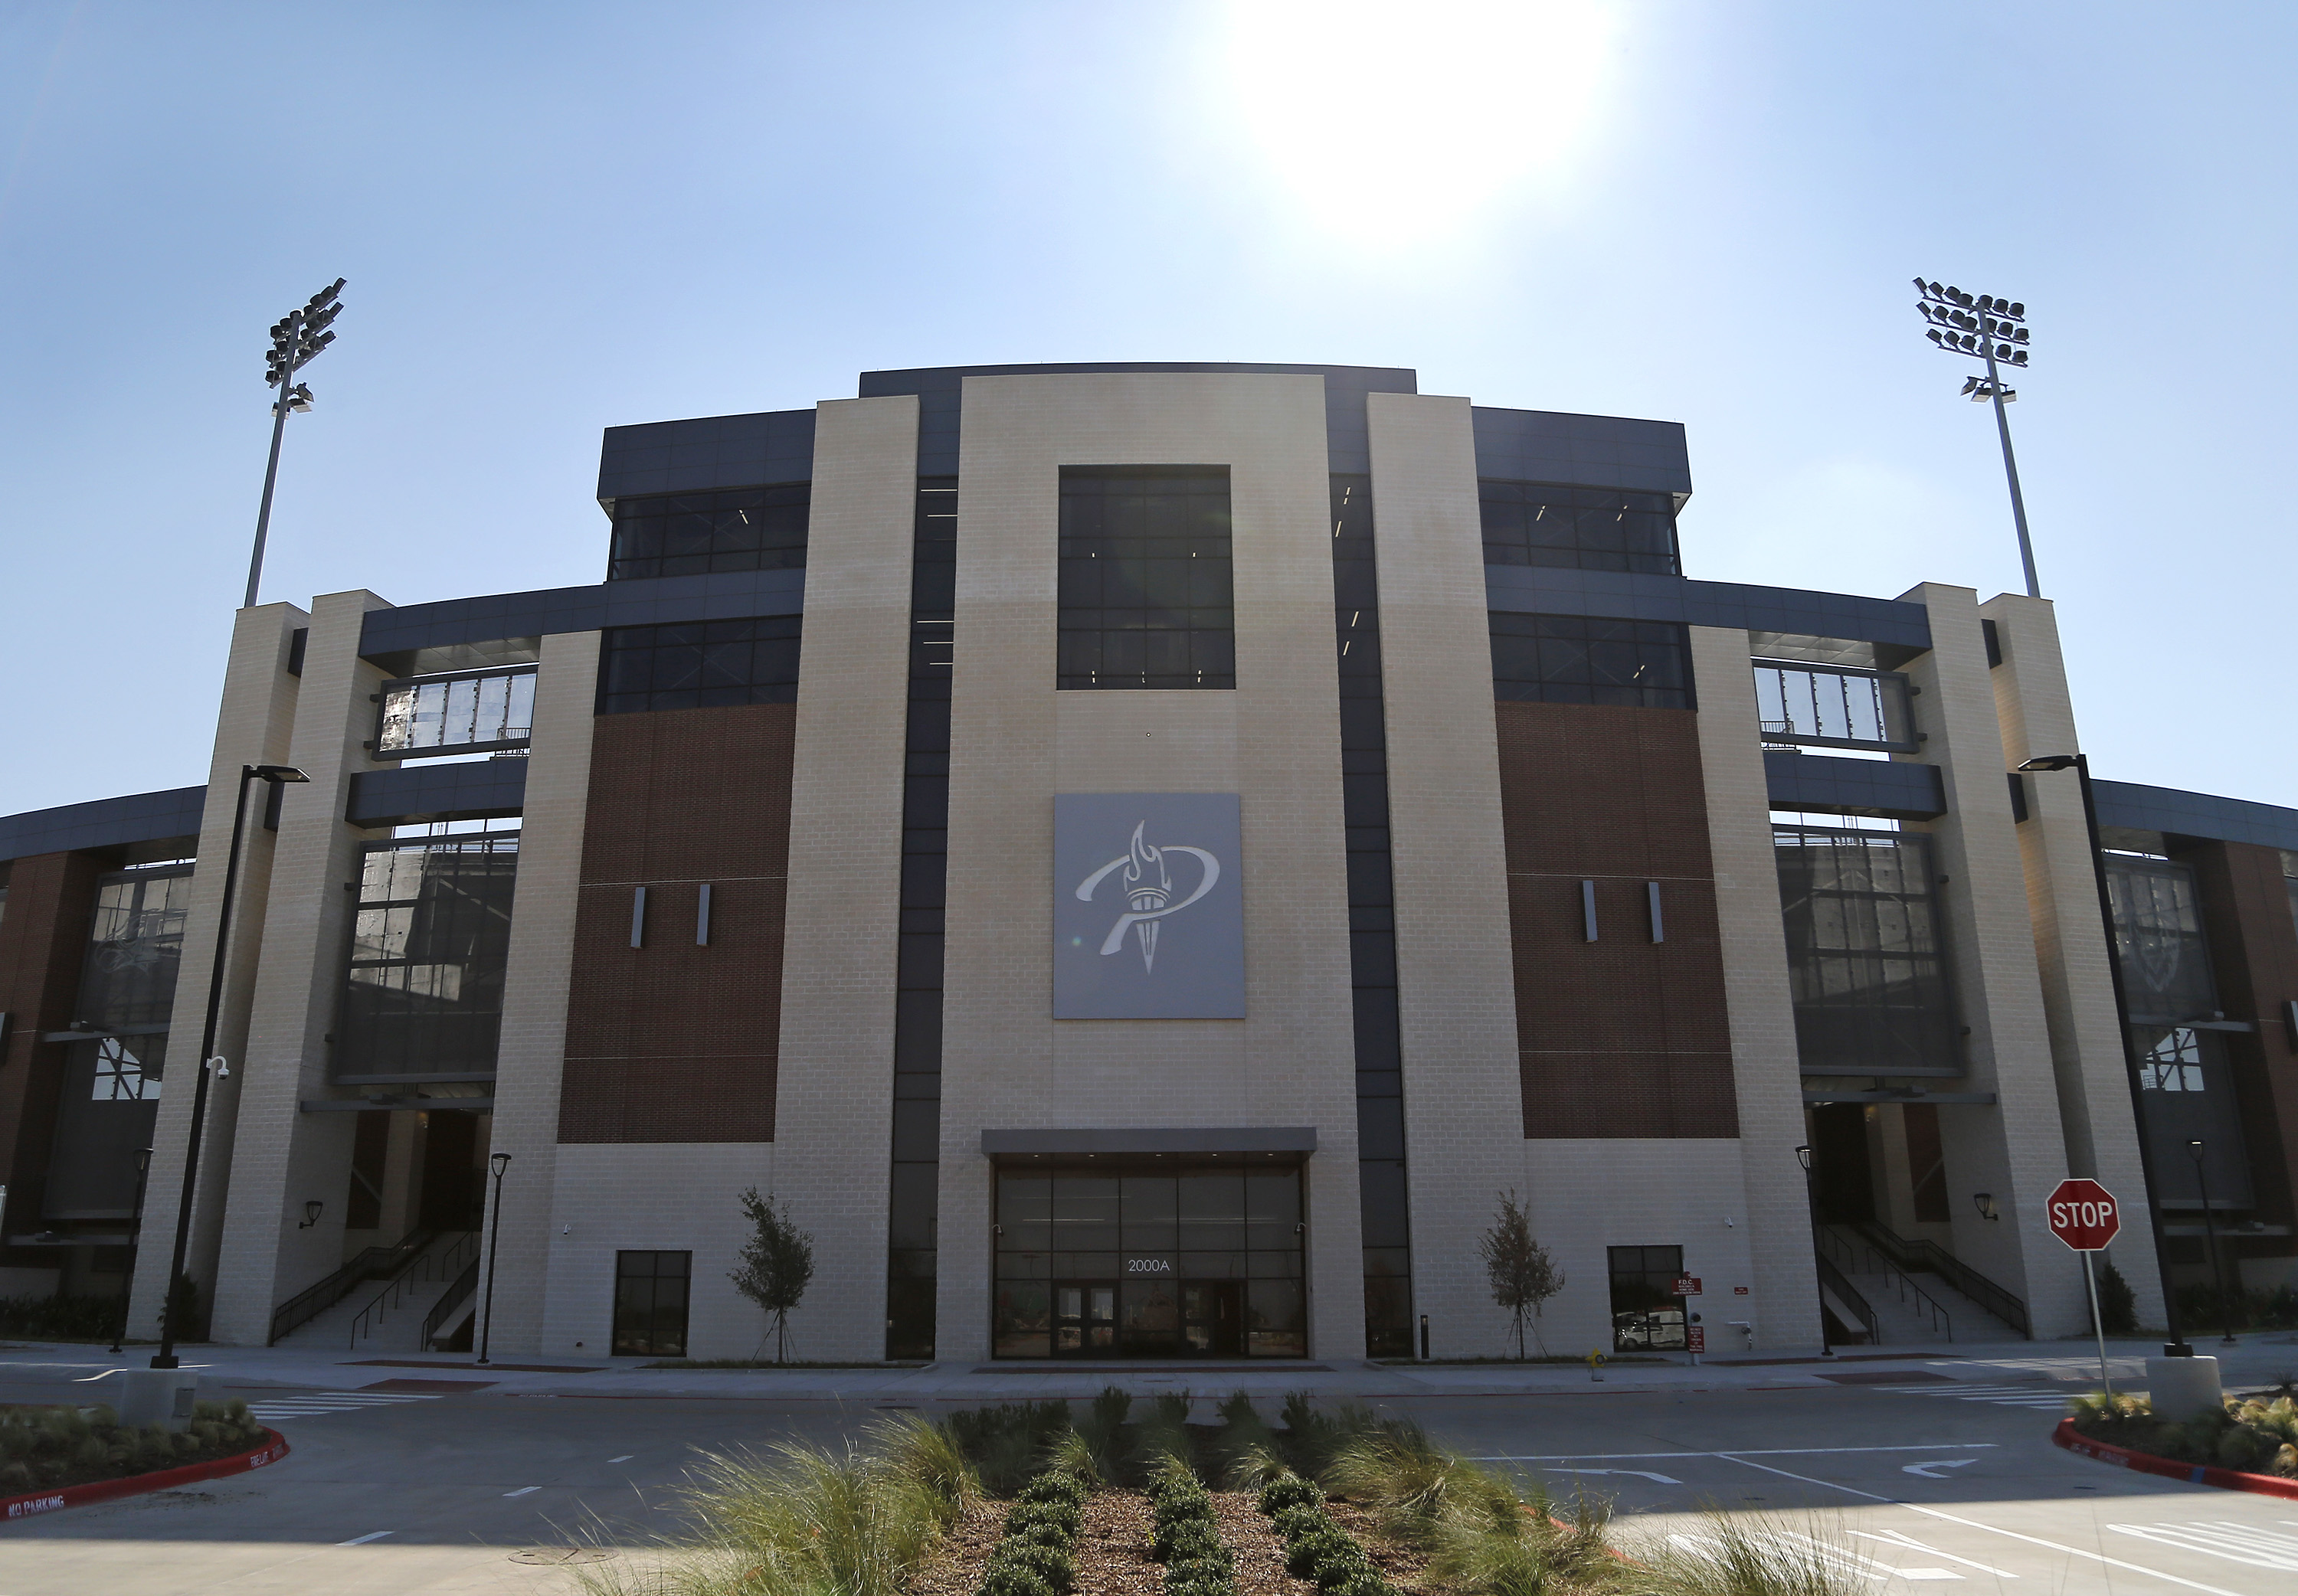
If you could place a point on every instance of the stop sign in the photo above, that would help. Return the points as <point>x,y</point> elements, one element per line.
<point>2084,1214</point>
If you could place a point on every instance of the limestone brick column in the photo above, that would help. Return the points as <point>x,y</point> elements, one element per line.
<point>1455,985</point>
<point>1766,1068</point>
<point>2015,1148</point>
<point>538,970</point>
<point>2036,715</point>
<point>254,726</point>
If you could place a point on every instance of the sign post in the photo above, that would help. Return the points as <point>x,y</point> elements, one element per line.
<point>2086,1216</point>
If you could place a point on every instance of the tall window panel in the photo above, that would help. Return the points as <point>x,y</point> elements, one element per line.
<point>135,946</point>
<point>1578,529</point>
<point>1146,589</point>
<point>1372,927</point>
<point>423,995</point>
<point>691,534</point>
<point>914,1204</point>
<point>1866,966</point>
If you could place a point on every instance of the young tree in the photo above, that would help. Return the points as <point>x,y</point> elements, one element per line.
<point>1523,1273</point>
<point>777,1263</point>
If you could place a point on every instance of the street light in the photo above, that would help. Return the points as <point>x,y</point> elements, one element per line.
<point>134,1234</point>
<point>297,338</point>
<point>2210,1229</point>
<point>494,1237</point>
<point>1811,1203</point>
<point>1983,328</point>
<point>2176,1347</point>
<point>210,1062</point>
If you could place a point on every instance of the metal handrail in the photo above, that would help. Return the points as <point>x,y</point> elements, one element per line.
<point>1928,1255</point>
<point>371,1263</point>
<point>458,1294</point>
<point>366,1319</point>
<point>1838,1282</point>
<point>1866,1260</point>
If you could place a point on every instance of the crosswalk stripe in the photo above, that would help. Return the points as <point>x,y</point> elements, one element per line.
<point>335,1402</point>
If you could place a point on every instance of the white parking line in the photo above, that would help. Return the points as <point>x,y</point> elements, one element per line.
<point>625,1458</point>
<point>2234,1542</point>
<point>363,1540</point>
<point>522,1491</point>
<point>1775,1451</point>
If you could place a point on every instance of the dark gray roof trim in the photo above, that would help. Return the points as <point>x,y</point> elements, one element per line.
<point>1243,1139</point>
<point>1892,790</point>
<point>1595,452</point>
<point>103,822</point>
<point>709,451</point>
<point>643,601</point>
<point>475,790</point>
<point>1631,596</point>
<point>2195,814</point>
<point>939,388</point>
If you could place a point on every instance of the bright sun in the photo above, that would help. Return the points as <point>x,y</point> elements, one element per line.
<point>1381,114</point>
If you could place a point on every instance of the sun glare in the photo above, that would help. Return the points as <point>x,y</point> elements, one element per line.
<point>1418,114</point>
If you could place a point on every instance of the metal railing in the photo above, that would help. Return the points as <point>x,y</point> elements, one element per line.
<point>466,1284</point>
<point>1930,1257</point>
<point>431,1266</point>
<point>1868,1261</point>
<point>373,1264</point>
<point>1835,1280</point>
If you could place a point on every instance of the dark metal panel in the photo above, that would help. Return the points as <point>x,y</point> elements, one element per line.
<point>1893,790</point>
<point>103,822</point>
<point>707,451</point>
<point>476,789</point>
<point>1596,451</point>
<point>1635,596</point>
<point>413,630</point>
<point>1212,1138</point>
<point>2128,804</point>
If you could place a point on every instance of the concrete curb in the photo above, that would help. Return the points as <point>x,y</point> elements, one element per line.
<point>136,1485</point>
<point>2193,1473</point>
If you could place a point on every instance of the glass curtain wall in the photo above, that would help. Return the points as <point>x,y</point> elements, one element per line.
<point>1146,589</point>
<point>1864,961</point>
<point>423,995</point>
<point>1149,1263</point>
<point>1582,529</point>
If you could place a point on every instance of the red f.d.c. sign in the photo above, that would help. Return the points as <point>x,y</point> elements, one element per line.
<point>2084,1214</point>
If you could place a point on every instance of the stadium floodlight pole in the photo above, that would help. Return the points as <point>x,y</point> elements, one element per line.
<point>296,340</point>
<point>210,1062</point>
<point>1994,330</point>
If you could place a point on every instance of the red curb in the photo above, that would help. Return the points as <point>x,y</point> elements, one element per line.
<point>2193,1473</point>
<point>136,1485</point>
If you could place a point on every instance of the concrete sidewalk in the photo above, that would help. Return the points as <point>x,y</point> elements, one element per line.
<point>72,1371</point>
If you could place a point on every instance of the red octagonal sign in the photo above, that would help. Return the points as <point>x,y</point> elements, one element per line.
<point>2084,1214</point>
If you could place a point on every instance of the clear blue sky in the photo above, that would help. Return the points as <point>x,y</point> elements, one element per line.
<point>556,218</point>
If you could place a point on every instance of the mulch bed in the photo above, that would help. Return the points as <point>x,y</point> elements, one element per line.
<point>1113,1549</point>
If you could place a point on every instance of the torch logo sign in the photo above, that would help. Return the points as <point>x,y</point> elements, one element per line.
<point>1149,891</point>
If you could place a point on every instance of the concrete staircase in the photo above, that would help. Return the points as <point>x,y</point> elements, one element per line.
<point>386,1316</point>
<point>1912,1308</point>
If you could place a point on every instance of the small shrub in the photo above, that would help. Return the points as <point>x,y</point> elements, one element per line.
<point>2118,1304</point>
<point>1290,1491</point>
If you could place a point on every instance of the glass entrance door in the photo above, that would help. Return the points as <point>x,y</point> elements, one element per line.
<point>1084,1319</point>
<point>1213,1317</point>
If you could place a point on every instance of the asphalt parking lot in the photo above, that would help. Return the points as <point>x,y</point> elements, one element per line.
<point>1907,1476</point>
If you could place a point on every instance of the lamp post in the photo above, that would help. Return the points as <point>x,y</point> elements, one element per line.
<point>499,1161</point>
<point>208,1063</point>
<point>134,1234</point>
<point>296,340</point>
<point>2177,1346</point>
<point>1811,1203</point>
<point>2194,1150</point>
<point>1994,330</point>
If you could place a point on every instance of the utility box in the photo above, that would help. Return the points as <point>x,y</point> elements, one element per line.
<point>2182,1387</point>
<point>161,1396</point>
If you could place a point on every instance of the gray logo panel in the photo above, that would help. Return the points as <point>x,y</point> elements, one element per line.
<point>1148,906</point>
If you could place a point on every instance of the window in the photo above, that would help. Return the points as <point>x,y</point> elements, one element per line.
<point>455,715</point>
<point>2188,1082</point>
<point>1586,529</point>
<point>134,947</point>
<point>111,1103</point>
<point>650,1292</point>
<point>1865,963</point>
<point>700,664</point>
<point>1833,708</point>
<point>1578,659</point>
<point>1145,592</point>
<point>430,939</point>
<point>688,535</point>
<point>2158,928</point>
<point>1646,1315</point>
<point>1149,1264</point>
